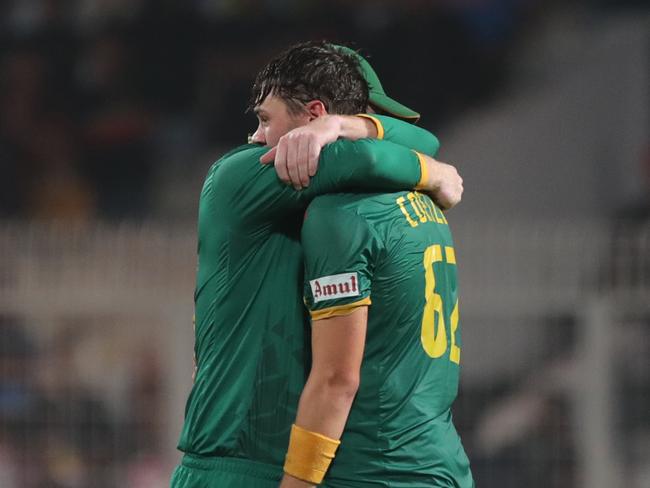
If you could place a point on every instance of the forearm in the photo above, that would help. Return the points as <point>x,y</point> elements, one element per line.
<point>325,405</point>
<point>354,127</point>
<point>296,156</point>
<point>375,165</point>
<point>345,166</point>
<point>323,408</point>
<point>405,134</point>
<point>337,352</point>
<point>366,164</point>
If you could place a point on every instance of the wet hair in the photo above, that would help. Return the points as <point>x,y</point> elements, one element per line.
<point>313,71</point>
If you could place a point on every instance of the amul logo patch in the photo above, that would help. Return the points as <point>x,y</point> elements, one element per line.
<point>335,286</point>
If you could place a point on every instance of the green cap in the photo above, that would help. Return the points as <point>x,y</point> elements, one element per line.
<point>377,95</point>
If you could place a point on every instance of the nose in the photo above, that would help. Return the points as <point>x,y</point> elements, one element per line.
<point>258,136</point>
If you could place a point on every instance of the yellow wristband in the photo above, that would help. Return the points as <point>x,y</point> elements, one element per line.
<point>377,122</point>
<point>309,454</point>
<point>424,172</point>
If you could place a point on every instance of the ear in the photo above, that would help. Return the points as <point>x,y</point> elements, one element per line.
<point>316,109</point>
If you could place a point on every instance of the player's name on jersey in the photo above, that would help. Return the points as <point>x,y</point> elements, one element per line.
<point>419,209</point>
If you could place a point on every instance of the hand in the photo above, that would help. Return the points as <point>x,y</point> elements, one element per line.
<point>445,185</point>
<point>291,482</point>
<point>297,152</point>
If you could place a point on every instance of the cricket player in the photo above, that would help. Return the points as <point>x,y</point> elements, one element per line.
<point>250,342</point>
<point>380,284</point>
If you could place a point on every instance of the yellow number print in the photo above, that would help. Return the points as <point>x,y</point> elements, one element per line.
<point>434,339</point>
<point>454,354</point>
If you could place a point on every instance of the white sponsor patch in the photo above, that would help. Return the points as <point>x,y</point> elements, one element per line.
<point>335,286</point>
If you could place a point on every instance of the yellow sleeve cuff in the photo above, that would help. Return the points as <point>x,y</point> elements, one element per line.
<point>377,122</point>
<point>338,310</point>
<point>424,172</point>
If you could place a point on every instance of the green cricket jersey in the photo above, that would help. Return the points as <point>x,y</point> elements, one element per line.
<point>393,252</point>
<point>249,336</point>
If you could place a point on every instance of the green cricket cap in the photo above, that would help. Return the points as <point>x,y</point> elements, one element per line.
<point>377,96</point>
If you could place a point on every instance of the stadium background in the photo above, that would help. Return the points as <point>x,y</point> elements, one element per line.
<point>111,111</point>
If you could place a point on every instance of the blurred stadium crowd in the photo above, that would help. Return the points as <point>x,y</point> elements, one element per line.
<point>99,99</point>
<point>113,110</point>
<point>55,431</point>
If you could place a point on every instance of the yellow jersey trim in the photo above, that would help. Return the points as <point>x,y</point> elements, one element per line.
<point>339,310</point>
<point>424,172</point>
<point>377,122</point>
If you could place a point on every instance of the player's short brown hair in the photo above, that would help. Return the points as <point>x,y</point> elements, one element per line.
<point>313,71</point>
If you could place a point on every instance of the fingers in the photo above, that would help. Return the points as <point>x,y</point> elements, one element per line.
<point>281,161</point>
<point>312,157</point>
<point>302,161</point>
<point>269,156</point>
<point>452,193</point>
<point>293,159</point>
<point>296,156</point>
<point>292,162</point>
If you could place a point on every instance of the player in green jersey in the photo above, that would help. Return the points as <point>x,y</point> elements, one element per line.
<point>249,337</point>
<point>380,283</point>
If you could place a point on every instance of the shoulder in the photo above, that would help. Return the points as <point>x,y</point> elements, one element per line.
<point>242,154</point>
<point>238,167</point>
<point>333,206</point>
<point>339,214</point>
<point>358,204</point>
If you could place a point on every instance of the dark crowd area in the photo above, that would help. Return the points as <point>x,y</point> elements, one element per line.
<point>56,431</point>
<point>97,97</point>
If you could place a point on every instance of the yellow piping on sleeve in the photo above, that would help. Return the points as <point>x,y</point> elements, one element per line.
<point>424,173</point>
<point>377,122</point>
<point>339,310</point>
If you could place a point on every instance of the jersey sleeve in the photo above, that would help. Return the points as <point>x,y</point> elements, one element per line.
<point>255,193</point>
<point>404,134</point>
<point>365,165</point>
<point>339,247</point>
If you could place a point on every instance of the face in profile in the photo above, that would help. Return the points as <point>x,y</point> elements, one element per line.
<point>275,120</point>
